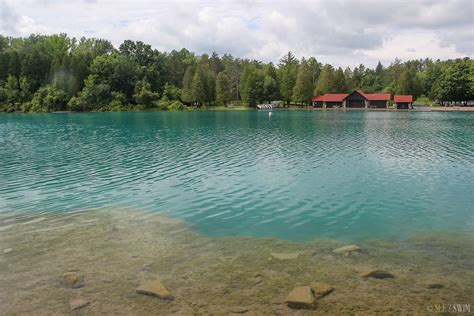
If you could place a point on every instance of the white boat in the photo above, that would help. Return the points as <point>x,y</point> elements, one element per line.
<point>267,106</point>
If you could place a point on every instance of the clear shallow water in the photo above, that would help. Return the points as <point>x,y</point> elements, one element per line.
<point>297,175</point>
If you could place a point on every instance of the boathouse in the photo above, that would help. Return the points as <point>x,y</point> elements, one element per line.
<point>355,99</point>
<point>403,101</point>
<point>329,100</point>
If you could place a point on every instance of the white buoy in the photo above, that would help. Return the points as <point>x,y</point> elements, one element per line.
<point>270,113</point>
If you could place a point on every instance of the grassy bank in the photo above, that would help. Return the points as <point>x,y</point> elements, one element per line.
<point>225,108</point>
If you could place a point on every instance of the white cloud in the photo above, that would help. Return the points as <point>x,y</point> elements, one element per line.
<point>413,45</point>
<point>337,32</point>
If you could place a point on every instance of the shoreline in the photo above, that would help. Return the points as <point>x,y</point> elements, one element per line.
<point>114,250</point>
<point>223,109</point>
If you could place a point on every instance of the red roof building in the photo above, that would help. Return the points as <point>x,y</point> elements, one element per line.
<point>403,98</point>
<point>356,99</point>
<point>330,97</point>
<point>403,101</point>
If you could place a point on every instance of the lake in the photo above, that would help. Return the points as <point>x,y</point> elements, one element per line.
<point>210,196</point>
<point>296,175</point>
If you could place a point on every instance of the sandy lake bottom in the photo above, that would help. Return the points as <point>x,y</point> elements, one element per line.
<point>112,251</point>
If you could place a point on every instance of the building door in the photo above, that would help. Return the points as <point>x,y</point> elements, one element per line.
<point>355,103</point>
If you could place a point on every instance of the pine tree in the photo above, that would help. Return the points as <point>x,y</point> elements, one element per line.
<point>244,80</point>
<point>255,87</point>
<point>252,85</point>
<point>315,70</point>
<point>348,79</point>
<point>223,89</point>
<point>325,82</point>
<point>270,89</point>
<point>303,89</point>
<point>339,81</point>
<point>209,84</point>
<point>406,84</point>
<point>198,87</point>
<point>288,68</point>
<point>186,94</point>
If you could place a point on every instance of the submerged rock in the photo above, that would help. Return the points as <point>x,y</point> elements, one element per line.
<point>321,289</point>
<point>378,274</point>
<point>154,288</point>
<point>347,249</point>
<point>7,250</point>
<point>285,256</point>
<point>238,310</point>
<point>78,303</point>
<point>73,280</point>
<point>301,297</point>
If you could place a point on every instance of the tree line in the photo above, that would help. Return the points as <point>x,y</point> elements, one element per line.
<point>43,73</point>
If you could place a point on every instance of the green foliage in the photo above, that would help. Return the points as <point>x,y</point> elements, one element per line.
<point>11,90</point>
<point>176,106</point>
<point>288,68</point>
<point>198,86</point>
<point>162,105</point>
<point>77,104</point>
<point>339,81</point>
<point>325,82</point>
<point>252,85</point>
<point>315,70</point>
<point>171,92</point>
<point>48,98</point>
<point>223,89</point>
<point>118,102</point>
<point>456,82</point>
<point>255,88</point>
<point>95,95</point>
<point>57,72</point>
<point>270,89</point>
<point>186,94</point>
<point>405,84</point>
<point>423,100</point>
<point>143,95</point>
<point>303,89</point>
<point>168,105</point>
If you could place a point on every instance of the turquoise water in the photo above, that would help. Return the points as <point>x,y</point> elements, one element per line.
<point>296,175</point>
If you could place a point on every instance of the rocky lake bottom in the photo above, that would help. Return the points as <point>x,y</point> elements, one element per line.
<point>131,262</point>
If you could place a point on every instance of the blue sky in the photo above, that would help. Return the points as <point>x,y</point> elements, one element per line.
<point>338,32</point>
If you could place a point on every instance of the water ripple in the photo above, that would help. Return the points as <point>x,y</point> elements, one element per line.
<point>296,175</point>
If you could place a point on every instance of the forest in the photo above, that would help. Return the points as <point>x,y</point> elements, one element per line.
<point>45,73</point>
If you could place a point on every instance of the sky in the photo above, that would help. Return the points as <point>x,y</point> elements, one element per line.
<point>342,33</point>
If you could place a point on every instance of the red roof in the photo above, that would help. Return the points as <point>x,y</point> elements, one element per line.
<point>361,93</point>
<point>378,96</point>
<point>330,97</point>
<point>403,99</point>
<point>339,97</point>
<point>374,96</point>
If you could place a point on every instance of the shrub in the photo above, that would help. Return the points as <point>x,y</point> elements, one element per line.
<point>76,104</point>
<point>162,105</point>
<point>177,106</point>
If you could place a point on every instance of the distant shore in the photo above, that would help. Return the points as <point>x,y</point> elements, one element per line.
<point>420,109</point>
<point>294,108</point>
<point>416,109</point>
